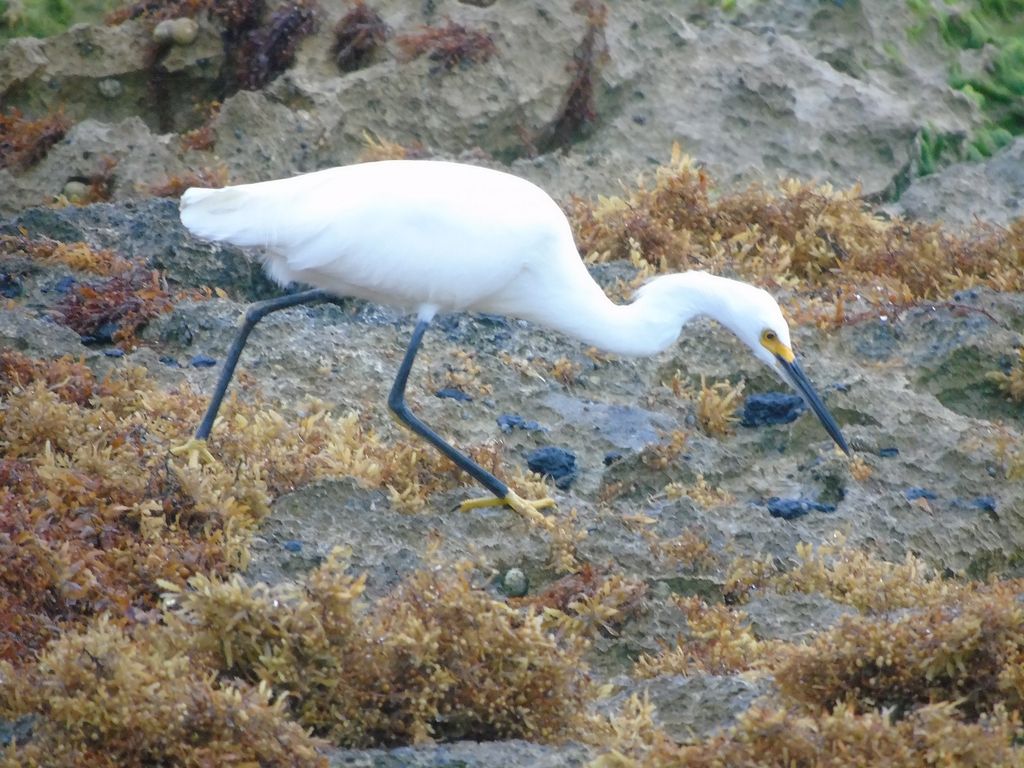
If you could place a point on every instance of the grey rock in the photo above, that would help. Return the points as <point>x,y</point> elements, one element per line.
<point>792,617</point>
<point>696,706</point>
<point>66,71</point>
<point>134,152</point>
<point>961,194</point>
<point>110,87</point>
<point>37,336</point>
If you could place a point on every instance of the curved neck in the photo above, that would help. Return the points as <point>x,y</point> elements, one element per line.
<point>648,325</point>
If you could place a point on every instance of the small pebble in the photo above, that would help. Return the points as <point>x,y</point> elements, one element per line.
<point>556,463</point>
<point>162,32</point>
<point>454,394</point>
<point>76,191</point>
<point>771,408</point>
<point>110,88</point>
<point>790,509</point>
<point>612,457</point>
<point>515,583</point>
<point>509,421</point>
<point>115,352</point>
<point>184,31</point>
<point>177,31</point>
<point>293,546</point>
<point>203,361</point>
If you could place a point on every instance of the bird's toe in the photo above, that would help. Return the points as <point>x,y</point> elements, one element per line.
<point>529,509</point>
<point>482,503</point>
<point>196,450</point>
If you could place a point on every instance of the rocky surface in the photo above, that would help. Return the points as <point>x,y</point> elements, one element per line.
<point>992,190</point>
<point>910,391</point>
<point>832,91</point>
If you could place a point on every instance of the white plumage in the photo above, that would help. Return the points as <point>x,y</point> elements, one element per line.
<point>397,232</point>
<point>430,236</point>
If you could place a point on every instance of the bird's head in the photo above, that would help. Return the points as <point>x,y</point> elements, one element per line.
<point>755,317</point>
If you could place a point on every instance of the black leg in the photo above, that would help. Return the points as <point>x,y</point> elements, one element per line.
<point>253,314</point>
<point>396,402</point>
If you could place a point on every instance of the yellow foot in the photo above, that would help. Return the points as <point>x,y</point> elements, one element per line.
<point>196,451</point>
<point>529,509</point>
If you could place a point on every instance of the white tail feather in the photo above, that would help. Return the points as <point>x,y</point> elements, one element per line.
<point>223,214</point>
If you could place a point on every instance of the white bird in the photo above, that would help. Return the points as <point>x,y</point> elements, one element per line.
<point>435,236</point>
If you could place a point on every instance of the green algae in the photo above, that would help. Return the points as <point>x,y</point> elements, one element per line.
<point>995,29</point>
<point>42,18</point>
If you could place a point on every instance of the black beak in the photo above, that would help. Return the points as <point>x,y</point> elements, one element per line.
<point>797,379</point>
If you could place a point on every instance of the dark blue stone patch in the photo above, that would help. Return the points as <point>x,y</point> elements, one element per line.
<point>556,463</point>
<point>771,408</point>
<point>790,509</point>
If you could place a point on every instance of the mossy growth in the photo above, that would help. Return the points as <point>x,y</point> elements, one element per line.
<point>589,602</point>
<point>449,46</point>
<point>359,36</point>
<point>437,658</point>
<point>93,513</point>
<point>76,255</point>
<point>42,18</point>
<point>96,518</point>
<point>238,672</point>
<point>928,673</point>
<point>968,651</point>
<point>847,575</point>
<point>935,149</point>
<point>997,88</point>
<point>94,509</point>
<point>718,640</point>
<point>116,308</point>
<point>768,736</point>
<point>108,697</point>
<point>823,245</point>
<point>24,141</point>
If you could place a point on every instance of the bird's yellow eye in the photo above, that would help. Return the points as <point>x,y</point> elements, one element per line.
<point>770,341</point>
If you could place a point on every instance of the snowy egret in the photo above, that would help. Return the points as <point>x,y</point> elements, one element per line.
<point>432,236</point>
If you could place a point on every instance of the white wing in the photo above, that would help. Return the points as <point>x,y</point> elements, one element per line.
<point>401,232</point>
